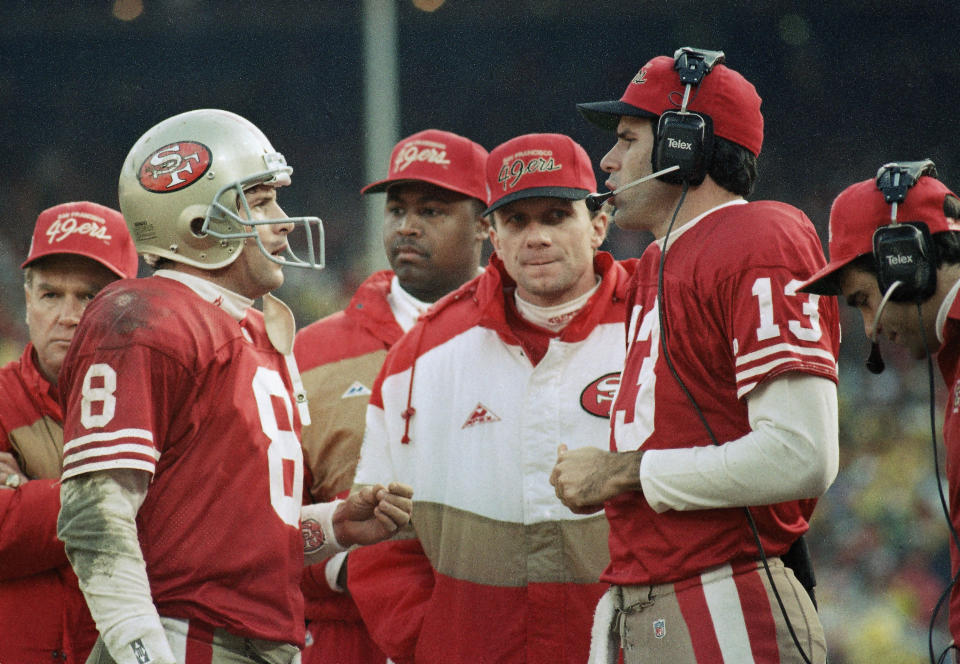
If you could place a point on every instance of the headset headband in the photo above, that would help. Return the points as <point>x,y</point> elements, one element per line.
<point>895,178</point>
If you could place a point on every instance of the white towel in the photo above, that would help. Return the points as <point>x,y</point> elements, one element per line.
<point>604,647</point>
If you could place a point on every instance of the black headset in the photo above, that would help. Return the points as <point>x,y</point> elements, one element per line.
<point>683,137</point>
<point>904,251</point>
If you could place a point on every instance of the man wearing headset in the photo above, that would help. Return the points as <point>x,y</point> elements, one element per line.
<point>922,311</point>
<point>727,406</point>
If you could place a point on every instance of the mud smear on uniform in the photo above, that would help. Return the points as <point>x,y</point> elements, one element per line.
<point>95,536</point>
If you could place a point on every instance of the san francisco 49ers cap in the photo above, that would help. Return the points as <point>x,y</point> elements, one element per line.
<point>726,96</point>
<point>861,209</point>
<point>85,229</point>
<point>538,165</point>
<point>441,158</point>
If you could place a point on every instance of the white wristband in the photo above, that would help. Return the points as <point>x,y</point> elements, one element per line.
<point>319,540</point>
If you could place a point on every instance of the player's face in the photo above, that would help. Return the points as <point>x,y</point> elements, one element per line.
<point>432,237</point>
<point>898,322</point>
<point>59,290</point>
<point>646,206</point>
<point>547,246</point>
<point>253,274</point>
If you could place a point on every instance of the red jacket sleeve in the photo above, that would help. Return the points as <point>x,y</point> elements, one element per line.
<point>321,602</point>
<point>28,529</point>
<point>391,583</point>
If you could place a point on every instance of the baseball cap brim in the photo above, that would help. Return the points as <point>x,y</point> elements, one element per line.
<point>606,114</point>
<point>826,280</point>
<point>540,192</point>
<point>85,254</point>
<point>382,186</point>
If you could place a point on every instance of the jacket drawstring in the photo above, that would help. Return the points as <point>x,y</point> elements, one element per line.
<point>408,414</point>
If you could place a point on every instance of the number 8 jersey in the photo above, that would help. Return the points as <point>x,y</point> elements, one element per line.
<point>161,380</point>
<point>733,319</point>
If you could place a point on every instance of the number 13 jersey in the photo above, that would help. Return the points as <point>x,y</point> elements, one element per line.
<point>733,319</point>
<point>159,379</point>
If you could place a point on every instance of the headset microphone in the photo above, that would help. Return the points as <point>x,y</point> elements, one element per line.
<point>875,363</point>
<point>596,201</point>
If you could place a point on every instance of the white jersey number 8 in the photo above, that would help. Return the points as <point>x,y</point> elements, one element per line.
<point>284,455</point>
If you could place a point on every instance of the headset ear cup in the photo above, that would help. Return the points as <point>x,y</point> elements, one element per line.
<point>905,252</point>
<point>684,139</point>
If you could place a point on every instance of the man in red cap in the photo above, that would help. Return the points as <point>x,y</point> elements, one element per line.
<point>724,430</point>
<point>895,257</point>
<point>467,409</point>
<point>77,249</point>
<point>433,235</point>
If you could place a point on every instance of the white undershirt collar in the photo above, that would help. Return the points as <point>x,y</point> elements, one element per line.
<point>553,318</point>
<point>233,303</point>
<point>677,232</point>
<point>405,307</point>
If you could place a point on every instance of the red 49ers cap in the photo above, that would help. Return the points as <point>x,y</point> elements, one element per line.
<point>538,165</point>
<point>85,229</point>
<point>441,158</point>
<point>860,209</point>
<point>727,97</point>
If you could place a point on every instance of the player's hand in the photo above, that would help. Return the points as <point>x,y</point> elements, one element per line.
<point>586,477</point>
<point>10,474</point>
<point>372,514</point>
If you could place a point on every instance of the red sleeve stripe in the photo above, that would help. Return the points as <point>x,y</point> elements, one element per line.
<point>109,462</point>
<point>106,436</point>
<point>785,347</point>
<point>763,369</point>
<point>110,449</point>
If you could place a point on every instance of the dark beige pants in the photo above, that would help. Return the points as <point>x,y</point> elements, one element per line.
<point>190,647</point>
<point>728,614</point>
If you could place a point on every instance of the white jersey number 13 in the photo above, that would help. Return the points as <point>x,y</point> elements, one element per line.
<point>769,329</point>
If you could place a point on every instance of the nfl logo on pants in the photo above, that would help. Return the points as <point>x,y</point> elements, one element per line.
<point>659,628</point>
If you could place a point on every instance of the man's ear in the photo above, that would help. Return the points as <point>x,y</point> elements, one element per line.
<point>601,224</point>
<point>483,228</point>
<point>494,238</point>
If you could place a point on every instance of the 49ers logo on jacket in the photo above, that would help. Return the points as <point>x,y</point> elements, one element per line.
<point>527,162</point>
<point>174,166</point>
<point>597,397</point>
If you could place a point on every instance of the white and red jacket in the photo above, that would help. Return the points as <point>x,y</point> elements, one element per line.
<point>469,409</point>
<point>43,616</point>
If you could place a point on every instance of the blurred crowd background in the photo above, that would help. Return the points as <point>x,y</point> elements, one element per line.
<point>847,86</point>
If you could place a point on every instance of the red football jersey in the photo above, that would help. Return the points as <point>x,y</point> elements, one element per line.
<point>948,359</point>
<point>159,380</point>
<point>733,319</point>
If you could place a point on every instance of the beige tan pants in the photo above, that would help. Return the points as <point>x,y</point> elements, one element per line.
<point>728,614</point>
<point>200,646</point>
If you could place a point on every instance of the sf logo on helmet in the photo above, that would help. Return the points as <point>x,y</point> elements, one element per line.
<point>174,166</point>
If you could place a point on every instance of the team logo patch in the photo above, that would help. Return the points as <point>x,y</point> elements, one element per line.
<point>175,166</point>
<point>77,223</point>
<point>597,397</point>
<point>659,628</point>
<point>358,389</point>
<point>641,77</point>
<point>140,652</point>
<point>523,163</point>
<point>480,415</point>
<point>421,151</point>
<point>312,533</point>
